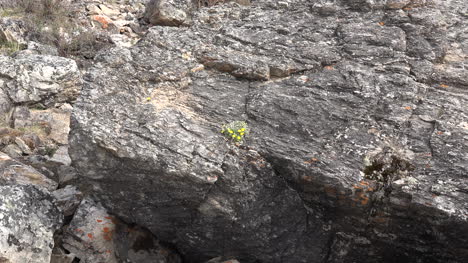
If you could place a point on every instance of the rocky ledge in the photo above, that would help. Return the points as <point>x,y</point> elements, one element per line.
<point>357,150</point>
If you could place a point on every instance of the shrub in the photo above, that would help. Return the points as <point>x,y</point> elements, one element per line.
<point>235,131</point>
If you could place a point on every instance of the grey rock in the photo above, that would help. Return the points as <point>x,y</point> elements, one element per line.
<point>50,124</point>
<point>66,174</point>
<point>357,150</point>
<point>89,234</point>
<point>68,199</point>
<point>40,49</point>
<point>31,79</point>
<point>29,219</point>
<point>15,173</point>
<point>22,146</point>
<point>12,150</point>
<point>6,107</point>
<point>168,12</point>
<point>61,156</point>
<point>12,30</point>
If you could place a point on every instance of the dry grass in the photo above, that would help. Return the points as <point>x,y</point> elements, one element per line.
<point>52,22</point>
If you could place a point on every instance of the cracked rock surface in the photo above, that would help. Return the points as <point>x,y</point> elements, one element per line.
<point>358,147</point>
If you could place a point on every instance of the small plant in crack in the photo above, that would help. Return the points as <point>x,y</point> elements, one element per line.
<point>235,131</point>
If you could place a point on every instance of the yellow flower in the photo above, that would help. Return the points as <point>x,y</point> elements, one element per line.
<point>238,130</point>
<point>243,129</point>
<point>230,131</point>
<point>148,98</point>
<point>238,137</point>
<point>222,131</point>
<point>242,134</point>
<point>233,136</point>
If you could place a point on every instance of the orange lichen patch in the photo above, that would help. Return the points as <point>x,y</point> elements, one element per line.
<point>108,217</point>
<point>361,198</point>
<point>329,67</point>
<point>381,23</point>
<point>370,189</point>
<point>90,235</point>
<point>440,133</point>
<point>357,187</point>
<point>407,8</point>
<point>78,230</point>
<point>99,220</point>
<point>104,21</point>
<point>106,230</point>
<point>408,108</point>
<point>443,86</point>
<point>427,203</point>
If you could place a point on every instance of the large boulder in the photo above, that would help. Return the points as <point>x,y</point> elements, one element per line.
<point>357,147</point>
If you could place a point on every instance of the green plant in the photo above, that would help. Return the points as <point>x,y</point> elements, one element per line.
<point>235,131</point>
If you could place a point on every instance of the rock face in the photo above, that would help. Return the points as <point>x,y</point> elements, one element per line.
<point>357,150</point>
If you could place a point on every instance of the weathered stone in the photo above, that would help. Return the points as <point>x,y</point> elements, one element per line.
<point>40,49</point>
<point>66,174</point>
<point>6,107</point>
<point>28,222</point>
<point>61,156</point>
<point>31,79</point>
<point>107,11</point>
<point>89,235</point>
<point>13,173</point>
<point>357,149</point>
<point>95,236</point>
<point>22,145</point>
<point>12,30</point>
<point>168,12</point>
<point>68,199</point>
<point>52,124</point>
<point>12,150</point>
